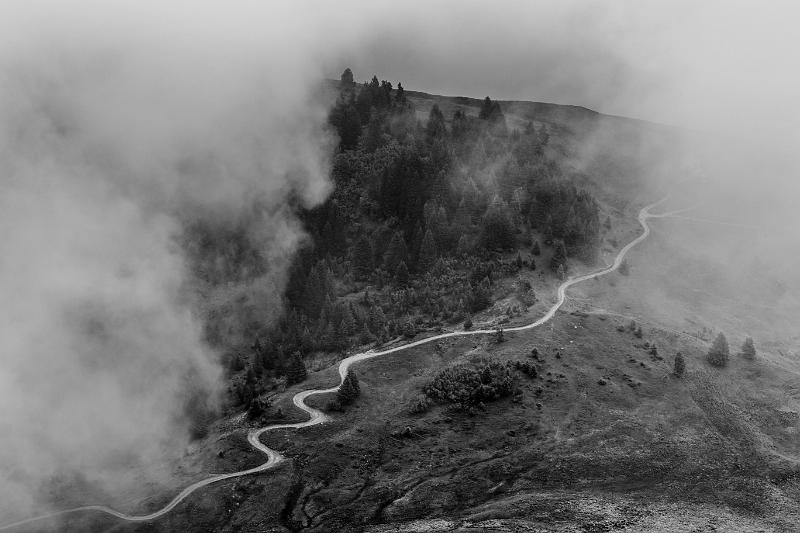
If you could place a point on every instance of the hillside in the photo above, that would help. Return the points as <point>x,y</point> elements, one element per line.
<point>450,213</point>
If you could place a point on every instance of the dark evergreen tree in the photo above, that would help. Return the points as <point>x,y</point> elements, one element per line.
<point>347,79</point>
<point>535,249</point>
<point>400,97</point>
<point>427,252</point>
<point>498,226</point>
<point>559,258</point>
<point>347,121</point>
<point>362,258</point>
<point>748,349</point>
<point>373,137</point>
<point>348,324</point>
<point>395,254</point>
<point>718,353</point>
<point>296,369</point>
<point>402,273</point>
<point>349,390</point>
<point>680,365</point>
<point>435,128</point>
<point>481,296</point>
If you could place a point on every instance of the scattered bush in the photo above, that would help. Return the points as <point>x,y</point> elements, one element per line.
<point>527,368</point>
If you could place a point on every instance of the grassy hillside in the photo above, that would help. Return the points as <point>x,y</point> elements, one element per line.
<point>600,437</point>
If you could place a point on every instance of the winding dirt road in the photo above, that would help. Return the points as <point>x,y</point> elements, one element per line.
<point>318,417</point>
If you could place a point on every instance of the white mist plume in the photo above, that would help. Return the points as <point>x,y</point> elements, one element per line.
<point>118,123</point>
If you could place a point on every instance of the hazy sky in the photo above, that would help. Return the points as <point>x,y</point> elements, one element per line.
<point>714,64</point>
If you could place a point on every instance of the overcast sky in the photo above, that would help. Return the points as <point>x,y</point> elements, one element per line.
<point>716,64</point>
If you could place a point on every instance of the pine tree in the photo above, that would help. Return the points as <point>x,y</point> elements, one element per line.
<point>559,256</point>
<point>296,369</point>
<point>680,365</point>
<point>463,247</point>
<point>347,78</point>
<point>377,319</point>
<point>402,273</point>
<point>535,250</point>
<point>349,390</point>
<point>435,128</point>
<point>373,137</point>
<point>400,97</point>
<point>395,254</point>
<point>748,349</point>
<point>346,119</point>
<point>258,357</point>
<point>427,252</point>
<point>718,353</point>
<point>518,262</point>
<point>498,227</point>
<point>362,258</point>
<point>348,322</point>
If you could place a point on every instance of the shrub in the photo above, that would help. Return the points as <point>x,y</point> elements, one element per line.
<point>334,405</point>
<point>468,323</point>
<point>527,368</point>
<point>258,406</point>
<point>419,405</point>
<point>680,365</point>
<point>467,386</point>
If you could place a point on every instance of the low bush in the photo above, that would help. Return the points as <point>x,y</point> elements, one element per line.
<point>469,386</point>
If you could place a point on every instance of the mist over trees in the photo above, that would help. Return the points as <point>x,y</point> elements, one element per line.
<point>421,216</point>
